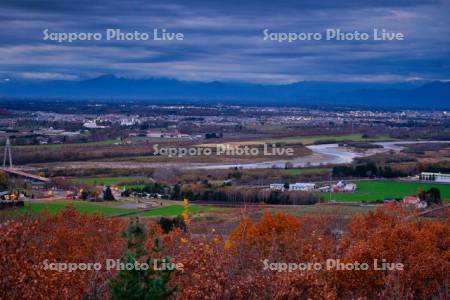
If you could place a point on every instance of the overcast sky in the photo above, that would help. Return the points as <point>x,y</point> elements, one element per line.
<point>225,41</point>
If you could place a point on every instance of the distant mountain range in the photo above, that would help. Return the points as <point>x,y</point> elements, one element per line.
<point>414,94</point>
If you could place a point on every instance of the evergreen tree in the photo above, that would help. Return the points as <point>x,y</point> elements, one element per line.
<point>176,191</point>
<point>137,283</point>
<point>108,195</point>
<point>84,194</point>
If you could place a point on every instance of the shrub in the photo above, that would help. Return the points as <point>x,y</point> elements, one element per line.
<point>167,224</point>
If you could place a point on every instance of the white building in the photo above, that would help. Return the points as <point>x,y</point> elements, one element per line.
<point>129,122</point>
<point>437,177</point>
<point>343,186</point>
<point>92,125</point>
<point>277,186</point>
<point>172,134</point>
<point>324,189</point>
<point>350,187</point>
<point>154,134</point>
<point>301,186</point>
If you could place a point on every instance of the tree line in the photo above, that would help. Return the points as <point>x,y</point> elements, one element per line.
<point>237,194</point>
<point>368,170</point>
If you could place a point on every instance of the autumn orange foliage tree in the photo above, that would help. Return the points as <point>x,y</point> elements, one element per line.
<point>232,266</point>
<point>26,243</point>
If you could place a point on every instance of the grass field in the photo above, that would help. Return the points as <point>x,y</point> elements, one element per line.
<point>81,206</point>
<point>109,180</point>
<point>305,140</point>
<point>387,189</point>
<point>176,209</point>
<point>110,208</point>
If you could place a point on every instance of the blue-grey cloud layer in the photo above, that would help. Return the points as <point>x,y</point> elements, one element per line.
<point>224,41</point>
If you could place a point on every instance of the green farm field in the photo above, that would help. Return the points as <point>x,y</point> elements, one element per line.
<point>110,180</point>
<point>176,209</point>
<point>111,208</point>
<point>387,189</point>
<point>104,208</point>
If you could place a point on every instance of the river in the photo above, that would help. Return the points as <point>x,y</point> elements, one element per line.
<point>321,155</point>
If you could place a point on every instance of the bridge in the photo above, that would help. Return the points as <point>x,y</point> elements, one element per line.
<point>16,172</point>
<point>13,171</point>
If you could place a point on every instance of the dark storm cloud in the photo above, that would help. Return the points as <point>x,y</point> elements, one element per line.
<point>224,40</point>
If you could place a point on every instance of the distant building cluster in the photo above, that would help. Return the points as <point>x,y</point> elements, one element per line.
<point>304,187</point>
<point>436,177</point>
<point>340,186</point>
<point>277,187</point>
<point>92,124</point>
<point>170,134</point>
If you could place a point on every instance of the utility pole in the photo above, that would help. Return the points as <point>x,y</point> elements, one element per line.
<point>331,187</point>
<point>7,153</point>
